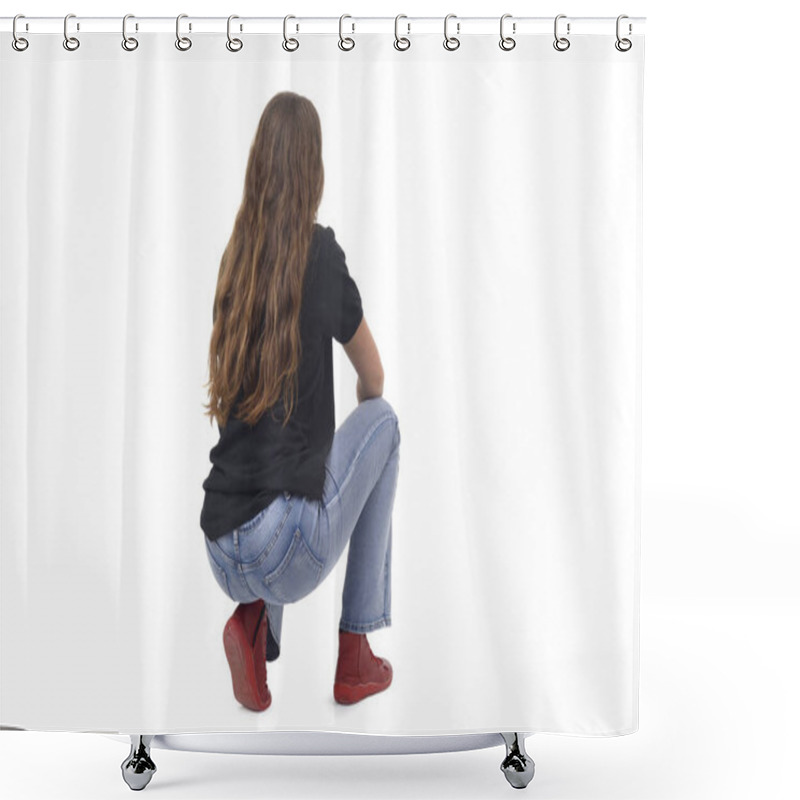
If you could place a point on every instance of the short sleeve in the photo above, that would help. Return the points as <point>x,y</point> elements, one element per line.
<point>339,305</point>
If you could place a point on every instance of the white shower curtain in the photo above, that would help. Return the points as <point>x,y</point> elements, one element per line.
<point>489,205</point>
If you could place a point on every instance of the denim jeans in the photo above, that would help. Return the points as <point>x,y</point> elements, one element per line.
<point>285,551</point>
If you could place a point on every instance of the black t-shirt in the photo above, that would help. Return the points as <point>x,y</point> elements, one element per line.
<point>253,465</point>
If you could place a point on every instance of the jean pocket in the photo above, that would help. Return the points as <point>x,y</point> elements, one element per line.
<point>297,574</point>
<point>258,538</point>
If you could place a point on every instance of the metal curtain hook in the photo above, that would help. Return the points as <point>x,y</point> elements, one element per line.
<point>234,45</point>
<point>286,41</point>
<point>506,42</point>
<point>560,40</point>
<point>18,42</point>
<point>351,42</point>
<point>451,42</point>
<point>623,45</point>
<point>70,42</point>
<point>182,42</point>
<point>129,43</point>
<point>401,43</point>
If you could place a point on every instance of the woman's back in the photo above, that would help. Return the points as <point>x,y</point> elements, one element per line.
<point>252,465</point>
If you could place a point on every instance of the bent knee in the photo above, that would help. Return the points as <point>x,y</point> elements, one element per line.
<point>386,409</point>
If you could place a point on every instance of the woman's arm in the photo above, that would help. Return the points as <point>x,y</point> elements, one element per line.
<point>363,354</point>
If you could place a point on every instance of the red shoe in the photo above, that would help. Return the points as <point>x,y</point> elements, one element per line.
<point>359,673</point>
<point>245,640</point>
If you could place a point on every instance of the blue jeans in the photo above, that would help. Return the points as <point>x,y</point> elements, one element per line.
<point>285,551</point>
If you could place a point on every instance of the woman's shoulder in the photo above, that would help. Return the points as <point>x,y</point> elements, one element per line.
<point>319,255</point>
<point>329,245</point>
<point>320,242</point>
<point>323,232</point>
<point>325,246</point>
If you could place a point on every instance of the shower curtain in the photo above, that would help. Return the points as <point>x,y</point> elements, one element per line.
<point>488,202</point>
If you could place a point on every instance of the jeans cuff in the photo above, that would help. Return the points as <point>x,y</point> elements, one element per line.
<point>365,627</point>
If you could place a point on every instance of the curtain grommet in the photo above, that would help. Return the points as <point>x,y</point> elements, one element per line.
<point>285,44</point>
<point>506,42</point>
<point>70,43</point>
<point>451,42</point>
<point>560,40</point>
<point>19,43</point>
<point>129,43</point>
<point>406,42</point>
<point>342,39</point>
<point>183,43</point>
<point>622,44</point>
<point>233,44</point>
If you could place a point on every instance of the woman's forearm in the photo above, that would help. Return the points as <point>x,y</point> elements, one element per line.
<point>365,392</point>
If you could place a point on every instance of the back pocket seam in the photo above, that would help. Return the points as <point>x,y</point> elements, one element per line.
<point>221,574</point>
<point>297,541</point>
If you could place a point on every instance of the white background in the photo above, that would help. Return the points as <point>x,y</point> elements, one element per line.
<point>721,436</point>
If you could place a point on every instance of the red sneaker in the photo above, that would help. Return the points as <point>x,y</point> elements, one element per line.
<point>359,673</point>
<point>245,641</point>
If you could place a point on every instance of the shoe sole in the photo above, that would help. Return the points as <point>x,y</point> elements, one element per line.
<point>346,694</point>
<point>243,672</point>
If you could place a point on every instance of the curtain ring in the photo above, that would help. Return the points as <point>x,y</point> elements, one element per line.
<point>623,45</point>
<point>234,45</point>
<point>129,43</point>
<point>397,39</point>
<point>560,39</point>
<point>18,42</point>
<point>70,42</point>
<point>181,42</point>
<point>506,42</point>
<point>285,40</point>
<point>451,42</point>
<point>347,39</point>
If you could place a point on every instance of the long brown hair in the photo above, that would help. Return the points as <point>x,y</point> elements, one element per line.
<point>255,342</point>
